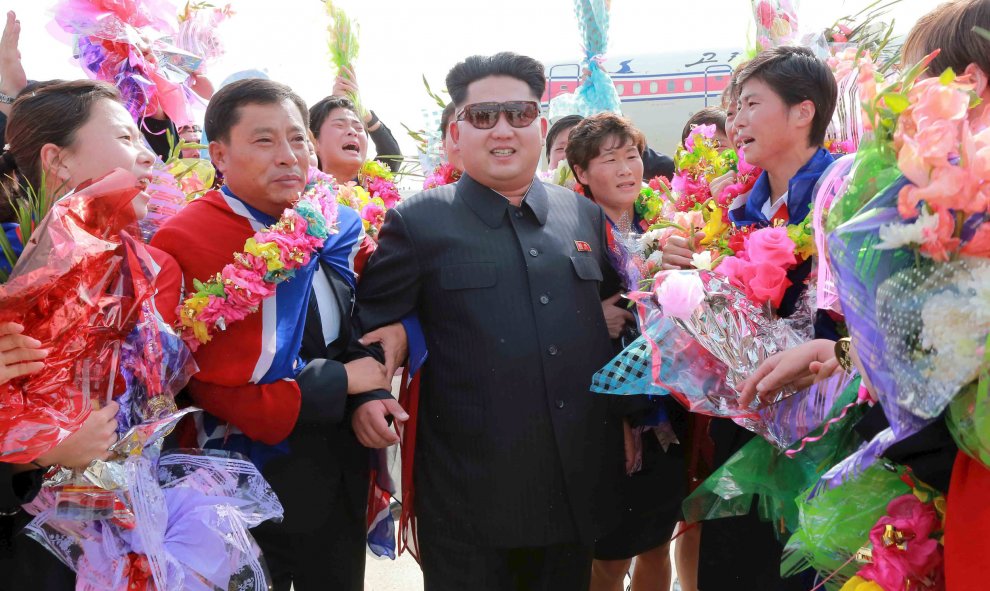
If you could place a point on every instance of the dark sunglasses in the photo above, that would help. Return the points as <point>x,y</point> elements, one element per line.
<point>485,115</point>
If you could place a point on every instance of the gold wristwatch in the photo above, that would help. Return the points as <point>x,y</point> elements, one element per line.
<point>842,353</point>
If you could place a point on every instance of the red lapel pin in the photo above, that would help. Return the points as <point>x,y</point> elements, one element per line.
<point>582,246</point>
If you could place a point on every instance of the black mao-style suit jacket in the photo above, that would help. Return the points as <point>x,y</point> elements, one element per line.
<point>513,450</point>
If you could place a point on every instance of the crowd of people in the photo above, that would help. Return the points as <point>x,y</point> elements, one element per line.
<point>302,283</point>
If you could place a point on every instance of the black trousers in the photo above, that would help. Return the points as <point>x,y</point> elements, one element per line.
<point>330,556</point>
<point>27,566</point>
<point>454,565</point>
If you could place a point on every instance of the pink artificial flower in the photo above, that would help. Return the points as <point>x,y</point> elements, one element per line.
<point>680,294</point>
<point>245,288</point>
<point>941,242</point>
<point>692,220</point>
<point>867,83</point>
<point>939,140</point>
<point>933,101</point>
<point>975,151</point>
<point>771,246</point>
<point>846,146</point>
<point>764,42</point>
<point>655,182</point>
<point>735,270</point>
<point>213,311</point>
<point>764,14</point>
<point>911,163</point>
<point>690,190</point>
<point>979,244</point>
<point>384,190</point>
<point>845,30</point>
<point>434,180</point>
<point>318,176</point>
<point>950,187</point>
<point>706,131</point>
<point>918,558</point>
<point>766,282</point>
<point>374,214</point>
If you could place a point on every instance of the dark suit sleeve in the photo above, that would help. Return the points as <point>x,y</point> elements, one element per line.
<point>17,489</point>
<point>323,385</point>
<point>386,145</point>
<point>389,288</point>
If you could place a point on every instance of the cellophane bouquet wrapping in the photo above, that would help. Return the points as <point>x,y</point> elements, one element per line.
<point>184,526</point>
<point>912,257</point>
<point>130,44</point>
<point>834,523</point>
<point>62,291</point>
<point>776,24</point>
<point>762,470</point>
<point>701,336</point>
<point>84,288</point>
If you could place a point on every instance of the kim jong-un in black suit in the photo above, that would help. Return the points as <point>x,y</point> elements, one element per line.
<point>516,461</point>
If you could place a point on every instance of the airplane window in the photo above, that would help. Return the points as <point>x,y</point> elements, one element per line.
<point>688,85</point>
<point>620,88</point>
<point>671,85</point>
<point>637,88</point>
<point>654,87</point>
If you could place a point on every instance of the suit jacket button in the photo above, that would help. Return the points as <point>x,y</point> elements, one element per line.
<point>560,404</point>
<point>553,350</point>
<point>533,252</point>
<point>544,299</point>
<point>518,213</point>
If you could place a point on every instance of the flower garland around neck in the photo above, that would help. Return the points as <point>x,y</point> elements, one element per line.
<point>444,174</point>
<point>269,257</point>
<point>373,195</point>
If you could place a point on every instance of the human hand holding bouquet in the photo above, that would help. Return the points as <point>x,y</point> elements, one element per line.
<point>91,442</point>
<point>20,354</point>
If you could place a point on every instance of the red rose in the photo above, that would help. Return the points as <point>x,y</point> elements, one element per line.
<point>773,246</point>
<point>766,283</point>
<point>737,242</point>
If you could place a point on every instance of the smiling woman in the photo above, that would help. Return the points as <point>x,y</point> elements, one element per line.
<point>61,135</point>
<point>68,132</point>
<point>606,152</point>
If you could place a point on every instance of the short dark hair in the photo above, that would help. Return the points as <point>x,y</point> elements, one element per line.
<point>445,117</point>
<point>796,75</point>
<point>586,140</point>
<point>950,28</point>
<point>50,113</point>
<point>319,112</point>
<point>707,116</point>
<point>560,126</point>
<point>223,112</point>
<point>730,94</point>
<point>506,63</point>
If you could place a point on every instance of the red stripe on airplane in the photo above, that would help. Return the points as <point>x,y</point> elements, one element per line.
<point>664,86</point>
